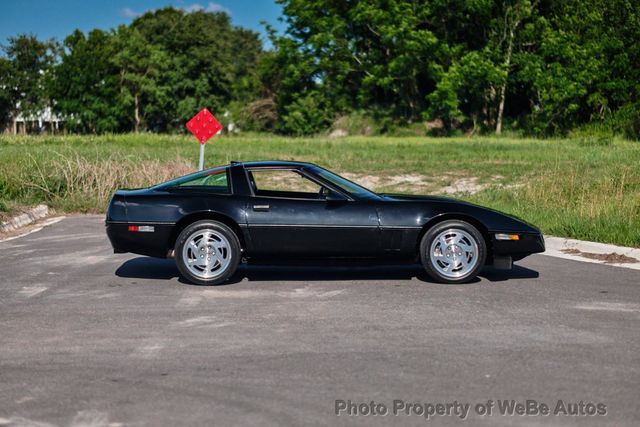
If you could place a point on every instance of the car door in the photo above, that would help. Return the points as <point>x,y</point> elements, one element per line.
<point>288,214</point>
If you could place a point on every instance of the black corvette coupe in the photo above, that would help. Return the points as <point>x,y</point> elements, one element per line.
<point>274,211</point>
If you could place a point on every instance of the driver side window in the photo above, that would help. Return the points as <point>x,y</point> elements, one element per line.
<point>283,183</point>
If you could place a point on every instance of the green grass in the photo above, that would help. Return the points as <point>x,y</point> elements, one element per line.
<point>586,188</point>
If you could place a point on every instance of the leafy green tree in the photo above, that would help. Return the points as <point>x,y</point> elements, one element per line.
<point>308,114</point>
<point>85,86</point>
<point>156,73</point>
<point>514,15</point>
<point>467,90</point>
<point>543,67</point>
<point>583,63</point>
<point>210,62</point>
<point>141,66</point>
<point>370,53</point>
<point>476,82</point>
<point>7,95</point>
<point>26,74</point>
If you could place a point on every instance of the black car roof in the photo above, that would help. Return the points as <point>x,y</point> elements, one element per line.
<point>272,163</point>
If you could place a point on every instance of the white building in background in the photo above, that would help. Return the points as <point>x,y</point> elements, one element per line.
<point>44,121</point>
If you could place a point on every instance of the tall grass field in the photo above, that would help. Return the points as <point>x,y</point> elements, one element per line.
<point>585,188</point>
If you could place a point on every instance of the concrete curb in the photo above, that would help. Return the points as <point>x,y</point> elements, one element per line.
<point>34,229</point>
<point>34,214</point>
<point>562,247</point>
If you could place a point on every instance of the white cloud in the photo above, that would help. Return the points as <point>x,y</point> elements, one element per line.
<point>127,12</point>
<point>192,8</point>
<point>211,7</point>
<point>215,7</point>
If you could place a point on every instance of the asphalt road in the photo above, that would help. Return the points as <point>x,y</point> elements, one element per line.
<point>89,338</point>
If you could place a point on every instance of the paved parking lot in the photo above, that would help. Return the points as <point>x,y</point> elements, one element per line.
<point>92,338</point>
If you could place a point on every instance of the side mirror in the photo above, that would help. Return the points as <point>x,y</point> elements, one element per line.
<point>332,196</point>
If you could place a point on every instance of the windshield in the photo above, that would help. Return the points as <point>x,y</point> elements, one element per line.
<point>344,184</point>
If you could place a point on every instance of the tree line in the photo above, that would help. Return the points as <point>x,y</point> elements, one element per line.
<point>532,67</point>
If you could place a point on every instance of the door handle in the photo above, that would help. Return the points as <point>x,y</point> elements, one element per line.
<point>260,207</point>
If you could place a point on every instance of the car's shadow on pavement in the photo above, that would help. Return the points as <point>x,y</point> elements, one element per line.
<point>165,269</point>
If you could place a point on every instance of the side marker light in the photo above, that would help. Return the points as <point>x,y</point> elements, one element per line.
<point>141,228</point>
<point>504,236</point>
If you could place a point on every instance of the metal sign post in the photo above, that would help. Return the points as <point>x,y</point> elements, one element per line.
<point>203,126</point>
<point>201,164</point>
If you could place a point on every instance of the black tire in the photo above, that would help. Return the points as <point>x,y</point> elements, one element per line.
<point>432,234</point>
<point>233,252</point>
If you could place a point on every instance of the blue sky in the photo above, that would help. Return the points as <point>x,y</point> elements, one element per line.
<point>59,18</point>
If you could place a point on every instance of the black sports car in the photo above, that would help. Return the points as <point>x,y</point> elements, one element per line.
<point>272,211</point>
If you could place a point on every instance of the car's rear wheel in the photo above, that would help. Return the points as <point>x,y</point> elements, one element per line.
<point>207,252</point>
<point>453,251</point>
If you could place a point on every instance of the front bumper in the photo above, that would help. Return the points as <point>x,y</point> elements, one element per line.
<point>529,243</point>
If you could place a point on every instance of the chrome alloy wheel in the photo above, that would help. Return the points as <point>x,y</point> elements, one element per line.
<point>454,253</point>
<point>206,254</point>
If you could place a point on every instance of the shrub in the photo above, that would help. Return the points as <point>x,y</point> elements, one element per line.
<point>307,115</point>
<point>356,123</point>
<point>627,121</point>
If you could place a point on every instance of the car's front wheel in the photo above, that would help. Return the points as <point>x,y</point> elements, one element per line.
<point>207,252</point>
<point>453,251</point>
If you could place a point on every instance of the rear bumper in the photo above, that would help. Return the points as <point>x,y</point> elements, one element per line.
<point>151,243</point>
<point>529,243</point>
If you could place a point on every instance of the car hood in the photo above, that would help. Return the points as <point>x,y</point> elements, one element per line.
<point>132,191</point>
<point>440,199</point>
<point>419,198</point>
<point>416,198</point>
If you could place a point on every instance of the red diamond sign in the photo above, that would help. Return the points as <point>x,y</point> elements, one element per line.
<point>204,125</point>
